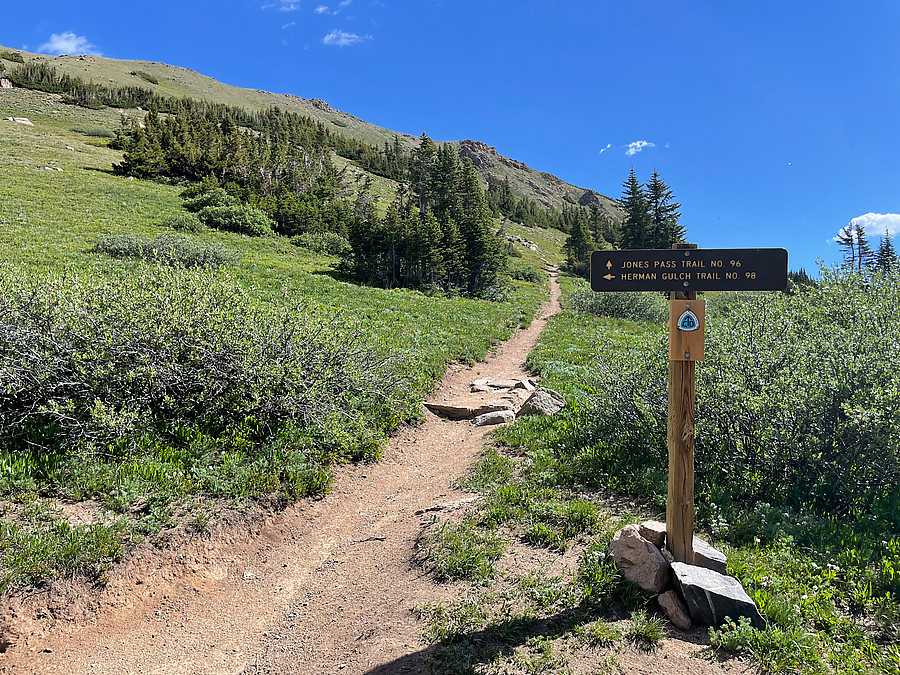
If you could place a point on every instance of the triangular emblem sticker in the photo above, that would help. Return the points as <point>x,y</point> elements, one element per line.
<point>688,321</point>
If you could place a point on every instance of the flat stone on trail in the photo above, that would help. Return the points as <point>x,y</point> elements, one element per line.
<point>467,412</point>
<point>503,384</point>
<point>481,389</point>
<point>654,532</point>
<point>675,610</point>
<point>639,560</point>
<point>480,383</point>
<point>544,402</point>
<point>498,417</point>
<point>711,596</point>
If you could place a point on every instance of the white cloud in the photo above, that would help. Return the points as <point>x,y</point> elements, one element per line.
<point>338,38</point>
<point>345,3</point>
<point>608,146</point>
<point>636,146</point>
<point>322,9</point>
<point>283,5</point>
<point>68,43</point>
<point>288,25</point>
<point>874,224</point>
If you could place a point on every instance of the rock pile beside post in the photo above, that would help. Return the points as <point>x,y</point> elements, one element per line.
<point>701,593</point>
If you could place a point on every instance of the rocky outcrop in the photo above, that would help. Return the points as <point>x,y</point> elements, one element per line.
<point>5,84</point>
<point>462,411</point>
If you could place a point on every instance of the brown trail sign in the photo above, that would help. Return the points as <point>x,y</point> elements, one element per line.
<point>683,271</point>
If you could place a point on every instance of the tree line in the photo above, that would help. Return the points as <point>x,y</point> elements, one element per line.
<point>858,254</point>
<point>650,221</point>
<point>438,232</point>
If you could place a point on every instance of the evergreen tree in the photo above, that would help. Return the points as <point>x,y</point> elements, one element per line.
<point>886,257</point>
<point>664,214</point>
<point>578,247</point>
<point>636,227</point>
<point>857,252</point>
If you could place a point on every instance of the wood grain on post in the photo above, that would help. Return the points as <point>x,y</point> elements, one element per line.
<point>680,503</point>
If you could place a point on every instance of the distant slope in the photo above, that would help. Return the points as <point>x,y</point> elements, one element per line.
<point>543,187</point>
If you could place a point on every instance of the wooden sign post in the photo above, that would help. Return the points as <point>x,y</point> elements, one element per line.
<point>683,271</point>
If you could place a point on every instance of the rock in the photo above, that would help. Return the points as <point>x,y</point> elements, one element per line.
<point>711,596</point>
<point>466,412</point>
<point>481,389</point>
<point>524,384</point>
<point>639,560</point>
<point>69,147</point>
<point>5,84</point>
<point>542,402</point>
<point>675,610</point>
<point>667,554</point>
<point>479,383</point>
<point>709,557</point>
<point>499,417</point>
<point>503,384</point>
<point>20,120</point>
<point>654,532</point>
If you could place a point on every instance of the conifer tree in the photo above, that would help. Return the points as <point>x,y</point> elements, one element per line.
<point>578,247</point>
<point>886,257</point>
<point>664,227</point>
<point>637,223</point>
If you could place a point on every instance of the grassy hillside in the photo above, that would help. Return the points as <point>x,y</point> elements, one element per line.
<point>59,198</point>
<point>169,80</point>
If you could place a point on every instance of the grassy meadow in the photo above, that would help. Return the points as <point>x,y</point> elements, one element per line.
<point>138,470</point>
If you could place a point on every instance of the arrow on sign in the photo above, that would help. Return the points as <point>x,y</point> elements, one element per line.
<point>609,277</point>
<point>608,264</point>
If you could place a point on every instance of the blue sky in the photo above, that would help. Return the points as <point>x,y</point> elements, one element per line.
<point>775,123</point>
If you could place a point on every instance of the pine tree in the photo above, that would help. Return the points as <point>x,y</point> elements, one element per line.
<point>857,252</point>
<point>886,257</point>
<point>864,256</point>
<point>637,224</point>
<point>847,242</point>
<point>578,247</point>
<point>664,214</point>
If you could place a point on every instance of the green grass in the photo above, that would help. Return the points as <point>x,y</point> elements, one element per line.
<point>50,222</point>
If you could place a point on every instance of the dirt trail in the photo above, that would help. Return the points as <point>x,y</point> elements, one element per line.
<point>323,587</point>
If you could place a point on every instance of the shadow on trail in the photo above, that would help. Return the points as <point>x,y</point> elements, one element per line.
<point>464,653</point>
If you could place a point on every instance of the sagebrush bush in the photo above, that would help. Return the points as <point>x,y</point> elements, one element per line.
<point>98,364</point>
<point>241,218</point>
<point>330,243</point>
<point>95,132</point>
<point>213,197</point>
<point>167,249</point>
<point>182,222</point>
<point>521,270</point>
<point>634,306</point>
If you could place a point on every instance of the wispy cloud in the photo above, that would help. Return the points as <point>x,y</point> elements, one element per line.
<point>283,5</point>
<point>338,38</point>
<point>68,43</point>
<point>325,9</point>
<point>875,224</point>
<point>288,25</point>
<point>608,146</point>
<point>322,9</point>
<point>637,146</point>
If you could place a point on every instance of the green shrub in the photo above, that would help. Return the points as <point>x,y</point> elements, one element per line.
<point>167,249</point>
<point>214,197</point>
<point>96,132</point>
<point>145,76</point>
<point>113,364</point>
<point>634,306</point>
<point>15,57</point>
<point>182,222</point>
<point>525,272</point>
<point>242,219</point>
<point>329,243</point>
